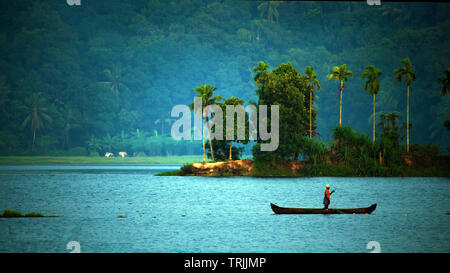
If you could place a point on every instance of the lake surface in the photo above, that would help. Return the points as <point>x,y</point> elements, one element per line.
<point>202,214</point>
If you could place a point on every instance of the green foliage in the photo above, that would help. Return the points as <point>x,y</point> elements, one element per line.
<point>123,65</point>
<point>341,74</point>
<point>8,213</point>
<point>285,87</point>
<point>34,214</point>
<point>316,152</point>
<point>425,154</point>
<point>206,93</point>
<point>372,84</point>
<point>405,72</point>
<point>392,132</point>
<point>221,148</point>
<point>221,151</point>
<point>11,213</point>
<point>186,169</point>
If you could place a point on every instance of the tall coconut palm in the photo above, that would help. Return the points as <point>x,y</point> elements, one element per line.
<point>114,79</point>
<point>36,113</point>
<point>406,72</point>
<point>341,74</point>
<point>312,82</point>
<point>206,92</point>
<point>373,86</point>
<point>270,9</point>
<point>445,81</point>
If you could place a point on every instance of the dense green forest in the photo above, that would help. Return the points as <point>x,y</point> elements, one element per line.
<point>104,76</point>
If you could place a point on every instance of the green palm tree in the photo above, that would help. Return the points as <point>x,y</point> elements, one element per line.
<point>373,86</point>
<point>406,72</point>
<point>340,74</point>
<point>445,81</point>
<point>114,79</point>
<point>270,9</point>
<point>36,114</point>
<point>312,82</point>
<point>260,71</point>
<point>206,92</point>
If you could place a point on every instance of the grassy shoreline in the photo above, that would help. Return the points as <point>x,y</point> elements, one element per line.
<point>24,160</point>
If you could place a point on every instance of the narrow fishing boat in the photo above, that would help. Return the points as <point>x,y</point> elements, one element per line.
<point>281,210</point>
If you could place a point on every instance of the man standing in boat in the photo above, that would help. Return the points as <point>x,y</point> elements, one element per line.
<point>326,199</point>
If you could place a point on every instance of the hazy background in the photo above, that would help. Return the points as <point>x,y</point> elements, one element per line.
<point>104,76</point>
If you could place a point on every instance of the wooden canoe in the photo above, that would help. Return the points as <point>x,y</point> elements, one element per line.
<point>280,210</point>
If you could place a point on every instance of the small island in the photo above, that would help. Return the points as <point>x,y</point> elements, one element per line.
<point>299,150</point>
<point>8,213</point>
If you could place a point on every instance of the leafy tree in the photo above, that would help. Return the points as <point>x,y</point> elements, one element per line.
<point>37,113</point>
<point>220,146</point>
<point>406,72</point>
<point>373,86</point>
<point>341,74</point>
<point>285,87</point>
<point>312,82</point>
<point>391,128</point>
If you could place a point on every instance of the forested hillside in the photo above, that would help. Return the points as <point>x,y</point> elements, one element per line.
<point>105,75</point>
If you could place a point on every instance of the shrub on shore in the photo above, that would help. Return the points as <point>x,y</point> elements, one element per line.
<point>8,213</point>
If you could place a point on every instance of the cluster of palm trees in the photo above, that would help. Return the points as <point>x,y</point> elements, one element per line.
<point>37,113</point>
<point>206,93</point>
<point>372,85</point>
<point>341,74</point>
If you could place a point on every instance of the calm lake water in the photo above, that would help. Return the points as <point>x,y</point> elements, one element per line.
<point>200,214</point>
